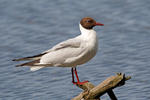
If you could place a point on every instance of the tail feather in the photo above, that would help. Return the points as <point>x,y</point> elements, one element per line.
<point>35,68</point>
<point>32,63</point>
<point>35,57</point>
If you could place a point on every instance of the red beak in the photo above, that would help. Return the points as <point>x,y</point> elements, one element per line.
<point>99,24</point>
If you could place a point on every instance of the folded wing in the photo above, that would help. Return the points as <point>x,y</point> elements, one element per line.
<point>35,60</point>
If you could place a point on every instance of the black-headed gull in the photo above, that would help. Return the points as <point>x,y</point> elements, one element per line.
<point>69,53</point>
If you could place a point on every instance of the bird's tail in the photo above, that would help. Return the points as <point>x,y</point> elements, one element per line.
<point>32,64</point>
<point>35,68</point>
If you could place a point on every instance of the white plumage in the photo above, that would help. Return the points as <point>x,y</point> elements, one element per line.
<point>72,52</point>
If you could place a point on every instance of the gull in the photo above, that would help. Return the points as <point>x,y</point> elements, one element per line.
<point>69,53</point>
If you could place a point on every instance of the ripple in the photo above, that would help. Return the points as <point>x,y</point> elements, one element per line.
<point>30,27</point>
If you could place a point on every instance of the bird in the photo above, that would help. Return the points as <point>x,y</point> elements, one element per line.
<point>69,53</point>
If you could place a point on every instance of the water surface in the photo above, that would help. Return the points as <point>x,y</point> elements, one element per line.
<point>32,26</point>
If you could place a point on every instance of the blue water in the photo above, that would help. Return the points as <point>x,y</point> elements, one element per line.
<point>29,27</point>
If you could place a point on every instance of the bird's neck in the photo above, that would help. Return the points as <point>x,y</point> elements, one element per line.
<point>87,33</point>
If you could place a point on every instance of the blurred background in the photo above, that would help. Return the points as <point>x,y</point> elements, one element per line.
<point>29,27</point>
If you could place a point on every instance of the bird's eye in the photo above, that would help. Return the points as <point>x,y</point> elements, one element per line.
<point>89,21</point>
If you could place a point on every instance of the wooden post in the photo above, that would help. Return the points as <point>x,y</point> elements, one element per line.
<point>92,92</point>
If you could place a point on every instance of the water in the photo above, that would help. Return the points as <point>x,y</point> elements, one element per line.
<point>32,26</point>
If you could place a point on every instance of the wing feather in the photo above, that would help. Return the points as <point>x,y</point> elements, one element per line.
<point>71,43</point>
<point>35,57</point>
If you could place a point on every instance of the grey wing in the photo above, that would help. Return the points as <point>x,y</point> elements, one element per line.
<point>61,52</point>
<point>72,43</point>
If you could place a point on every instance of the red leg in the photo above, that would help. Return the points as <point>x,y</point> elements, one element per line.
<point>78,81</point>
<point>75,70</point>
<point>72,70</point>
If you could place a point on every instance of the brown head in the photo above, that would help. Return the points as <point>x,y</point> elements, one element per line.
<point>89,23</point>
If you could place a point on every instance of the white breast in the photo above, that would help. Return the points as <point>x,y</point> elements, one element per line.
<point>90,43</point>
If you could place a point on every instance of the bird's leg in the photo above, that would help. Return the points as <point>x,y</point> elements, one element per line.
<point>72,70</point>
<point>78,81</point>
<point>75,70</point>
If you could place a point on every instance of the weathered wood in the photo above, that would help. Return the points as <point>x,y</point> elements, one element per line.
<point>86,86</point>
<point>92,92</point>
